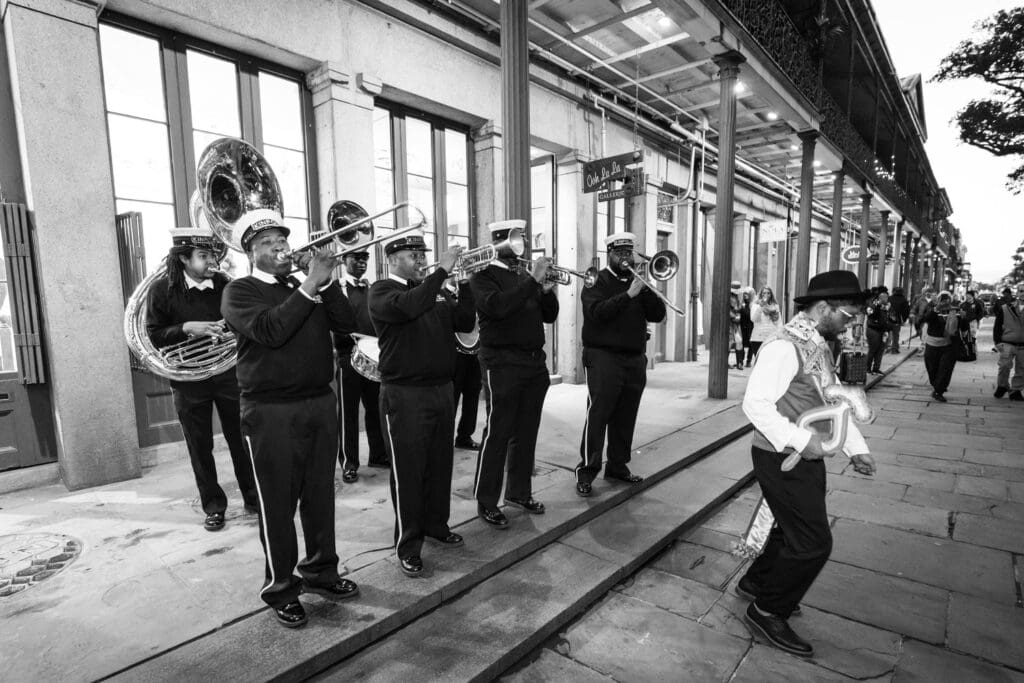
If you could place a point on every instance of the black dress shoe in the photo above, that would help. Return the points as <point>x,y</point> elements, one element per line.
<point>1016,396</point>
<point>379,464</point>
<point>349,476</point>
<point>940,398</point>
<point>292,615</point>
<point>411,566</point>
<point>530,505</point>
<point>214,521</point>
<point>451,539</point>
<point>495,518</point>
<point>628,477</point>
<point>745,588</point>
<point>1000,392</point>
<point>583,489</point>
<point>339,590</point>
<point>468,444</point>
<point>777,631</point>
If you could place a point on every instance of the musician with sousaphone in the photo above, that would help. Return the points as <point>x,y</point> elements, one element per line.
<point>415,319</point>
<point>182,305</point>
<point>466,380</point>
<point>616,311</point>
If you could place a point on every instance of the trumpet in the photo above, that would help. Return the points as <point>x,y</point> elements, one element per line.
<point>661,267</point>
<point>560,275</point>
<point>355,224</point>
<point>475,260</point>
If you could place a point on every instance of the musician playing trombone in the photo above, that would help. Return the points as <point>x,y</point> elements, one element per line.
<point>616,311</point>
<point>185,303</point>
<point>415,320</point>
<point>289,411</point>
<point>513,308</point>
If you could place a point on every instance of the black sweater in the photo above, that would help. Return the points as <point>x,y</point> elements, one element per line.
<point>512,308</point>
<point>416,329</point>
<point>284,339</point>
<point>343,343</point>
<point>168,309</point>
<point>615,322</point>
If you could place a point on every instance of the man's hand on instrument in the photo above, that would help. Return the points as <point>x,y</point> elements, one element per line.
<point>863,463</point>
<point>540,269</point>
<point>635,287</point>
<point>321,267</point>
<point>814,449</point>
<point>548,286</point>
<point>450,257</point>
<point>201,328</point>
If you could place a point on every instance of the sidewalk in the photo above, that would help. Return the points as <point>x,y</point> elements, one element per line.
<point>120,573</point>
<point>924,582</point>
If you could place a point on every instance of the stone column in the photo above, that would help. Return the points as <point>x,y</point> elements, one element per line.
<point>922,264</point>
<point>57,87</point>
<point>865,221</point>
<point>910,249</point>
<point>897,253</point>
<point>576,216</point>
<point>718,361</point>
<point>488,165</point>
<point>836,242</point>
<point>515,107</point>
<point>343,116</point>
<point>803,242</point>
<point>740,249</point>
<point>883,246</point>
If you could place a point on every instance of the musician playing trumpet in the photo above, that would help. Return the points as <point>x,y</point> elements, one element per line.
<point>616,311</point>
<point>415,320</point>
<point>186,303</point>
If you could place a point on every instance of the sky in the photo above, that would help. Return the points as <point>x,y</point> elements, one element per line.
<point>919,33</point>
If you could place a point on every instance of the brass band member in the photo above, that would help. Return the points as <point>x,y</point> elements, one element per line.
<point>513,308</point>
<point>186,303</point>
<point>789,375</point>
<point>616,311</point>
<point>415,322</point>
<point>289,412</point>
<point>467,384</point>
<point>353,386</point>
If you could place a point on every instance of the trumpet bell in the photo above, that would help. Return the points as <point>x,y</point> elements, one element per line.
<point>342,214</point>
<point>663,265</point>
<point>234,179</point>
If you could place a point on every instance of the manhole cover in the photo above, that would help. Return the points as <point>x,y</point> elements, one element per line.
<point>28,559</point>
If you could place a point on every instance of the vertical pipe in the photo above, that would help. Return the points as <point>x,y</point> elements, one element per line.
<point>803,247</point>
<point>835,246</point>
<point>718,357</point>
<point>883,246</point>
<point>865,219</point>
<point>897,253</point>
<point>515,108</point>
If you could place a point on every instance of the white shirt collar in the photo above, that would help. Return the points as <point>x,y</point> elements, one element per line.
<point>352,279</point>
<point>400,280</point>
<point>271,279</point>
<point>198,284</point>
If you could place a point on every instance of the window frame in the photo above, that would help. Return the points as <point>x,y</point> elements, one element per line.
<point>174,48</point>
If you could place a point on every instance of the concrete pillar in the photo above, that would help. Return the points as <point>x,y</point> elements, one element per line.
<point>515,107</point>
<point>343,116</point>
<point>883,246</point>
<point>865,221</point>
<point>488,169</point>
<point>803,242</point>
<point>897,254</point>
<point>908,263</point>
<point>740,267</point>
<point>922,265</point>
<point>57,85</point>
<point>718,357</point>
<point>836,241</point>
<point>576,216</point>
<point>643,220</point>
<point>822,257</point>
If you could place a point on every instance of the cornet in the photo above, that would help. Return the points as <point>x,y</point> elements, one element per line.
<point>561,275</point>
<point>475,260</point>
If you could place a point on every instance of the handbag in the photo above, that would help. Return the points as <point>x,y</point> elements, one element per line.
<point>966,349</point>
<point>853,367</point>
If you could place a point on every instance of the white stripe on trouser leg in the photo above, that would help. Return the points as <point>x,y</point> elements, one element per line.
<point>263,518</point>
<point>394,473</point>
<point>586,426</point>
<point>341,405</point>
<point>487,432</point>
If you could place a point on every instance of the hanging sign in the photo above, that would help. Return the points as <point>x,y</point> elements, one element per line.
<point>632,186</point>
<point>774,231</point>
<point>598,173</point>
<point>851,255</point>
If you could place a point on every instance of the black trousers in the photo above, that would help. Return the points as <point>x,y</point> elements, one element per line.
<point>515,384</point>
<point>801,541</point>
<point>939,361</point>
<point>354,389</point>
<point>418,423</point>
<point>194,402</point>
<point>894,336</point>
<point>615,384</point>
<point>293,447</point>
<point>876,349</point>
<point>467,389</point>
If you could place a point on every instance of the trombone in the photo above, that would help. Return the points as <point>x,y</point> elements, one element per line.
<point>560,275</point>
<point>474,260</point>
<point>350,235</point>
<point>661,267</point>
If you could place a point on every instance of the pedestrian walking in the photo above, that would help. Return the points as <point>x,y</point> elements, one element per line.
<point>746,324</point>
<point>899,313</point>
<point>919,308</point>
<point>877,328</point>
<point>735,318</point>
<point>1008,335</point>
<point>941,325</point>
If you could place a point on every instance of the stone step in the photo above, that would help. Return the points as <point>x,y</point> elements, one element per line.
<point>257,648</point>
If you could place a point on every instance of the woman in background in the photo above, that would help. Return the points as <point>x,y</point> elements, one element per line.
<point>764,314</point>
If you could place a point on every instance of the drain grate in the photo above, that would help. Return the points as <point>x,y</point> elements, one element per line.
<point>28,559</point>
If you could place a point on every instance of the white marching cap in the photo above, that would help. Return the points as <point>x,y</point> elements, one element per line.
<point>498,226</point>
<point>620,239</point>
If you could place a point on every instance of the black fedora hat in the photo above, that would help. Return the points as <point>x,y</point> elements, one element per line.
<point>833,284</point>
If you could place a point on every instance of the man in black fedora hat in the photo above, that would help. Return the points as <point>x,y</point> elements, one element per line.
<point>792,369</point>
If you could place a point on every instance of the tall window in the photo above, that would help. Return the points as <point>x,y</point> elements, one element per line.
<point>424,161</point>
<point>168,97</point>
